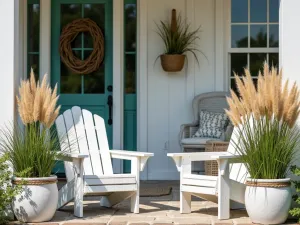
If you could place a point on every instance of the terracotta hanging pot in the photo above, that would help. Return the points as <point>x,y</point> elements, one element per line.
<point>172,63</point>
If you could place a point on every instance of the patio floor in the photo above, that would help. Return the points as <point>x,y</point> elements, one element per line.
<point>153,211</point>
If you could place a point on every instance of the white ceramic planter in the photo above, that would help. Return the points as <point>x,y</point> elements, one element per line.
<point>37,202</point>
<point>268,205</point>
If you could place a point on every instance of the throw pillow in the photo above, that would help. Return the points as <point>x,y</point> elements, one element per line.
<point>211,124</point>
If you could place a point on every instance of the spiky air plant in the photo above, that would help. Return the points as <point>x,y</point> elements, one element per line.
<point>178,37</point>
<point>37,102</point>
<point>265,118</point>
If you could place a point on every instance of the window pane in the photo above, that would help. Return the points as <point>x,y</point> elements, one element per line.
<point>233,86</point>
<point>94,83</point>
<point>130,26</point>
<point>130,74</point>
<point>70,12</point>
<point>238,63</point>
<point>70,82</point>
<point>33,62</point>
<point>95,12</point>
<point>274,35</point>
<point>258,36</point>
<point>239,36</point>
<point>274,11</point>
<point>258,11</point>
<point>239,11</point>
<point>274,59</point>
<point>256,62</point>
<point>33,27</point>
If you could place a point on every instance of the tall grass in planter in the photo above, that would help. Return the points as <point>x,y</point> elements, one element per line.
<point>34,148</point>
<point>265,117</point>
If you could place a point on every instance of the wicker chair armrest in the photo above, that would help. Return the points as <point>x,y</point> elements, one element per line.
<point>185,130</point>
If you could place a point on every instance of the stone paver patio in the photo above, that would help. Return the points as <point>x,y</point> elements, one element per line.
<point>153,211</point>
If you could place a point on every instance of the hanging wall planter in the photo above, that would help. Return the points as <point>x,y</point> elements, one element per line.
<point>178,40</point>
<point>172,63</point>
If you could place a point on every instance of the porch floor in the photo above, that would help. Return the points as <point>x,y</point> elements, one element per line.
<point>153,211</point>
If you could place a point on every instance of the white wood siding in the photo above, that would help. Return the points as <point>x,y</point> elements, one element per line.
<point>170,95</point>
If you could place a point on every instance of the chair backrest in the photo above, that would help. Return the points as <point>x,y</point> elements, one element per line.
<point>82,132</point>
<point>211,101</point>
<point>238,171</point>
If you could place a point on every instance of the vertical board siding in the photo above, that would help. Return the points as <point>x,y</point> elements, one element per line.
<point>170,95</point>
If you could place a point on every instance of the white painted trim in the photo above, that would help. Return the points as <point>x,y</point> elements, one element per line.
<point>45,38</point>
<point>220,72</point>
<point>227,19</point>
<point>118,81</point>
<point>281,35</point>
<point>142,80</point>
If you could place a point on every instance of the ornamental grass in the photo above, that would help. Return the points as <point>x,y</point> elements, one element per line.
<point>33,149</point>
<point>265,117</point>
<point>37,102</point>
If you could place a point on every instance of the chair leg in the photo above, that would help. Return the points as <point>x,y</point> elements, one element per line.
<point>185,202</point>
<point>135,202</point>
<point>78,202</point>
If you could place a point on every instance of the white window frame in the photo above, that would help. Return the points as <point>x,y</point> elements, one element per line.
<point>248,50</point>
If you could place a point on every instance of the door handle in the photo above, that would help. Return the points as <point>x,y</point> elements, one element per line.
<point>110,103</point>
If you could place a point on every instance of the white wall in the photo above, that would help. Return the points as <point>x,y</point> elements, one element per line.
<point>170,95</point>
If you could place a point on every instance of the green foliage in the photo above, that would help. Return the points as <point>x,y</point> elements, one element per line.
<point>179,40</point>
<point>7,191</point>
<point>32,151</point>
<point>267,147</point>
<point>296,211</point>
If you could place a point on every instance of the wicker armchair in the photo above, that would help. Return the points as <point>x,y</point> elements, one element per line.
<point>213,102</point>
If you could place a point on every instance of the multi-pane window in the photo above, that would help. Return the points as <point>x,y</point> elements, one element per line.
<point>254,36</point>
<point>33,36</point>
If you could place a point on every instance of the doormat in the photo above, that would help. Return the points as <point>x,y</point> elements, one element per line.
<point>155,190</point>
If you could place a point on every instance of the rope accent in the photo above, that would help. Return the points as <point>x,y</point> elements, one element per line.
<point>68,35</point>
<point>33,182</point>
<point>268,184</point>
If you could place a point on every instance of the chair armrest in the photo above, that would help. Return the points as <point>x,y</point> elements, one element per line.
<point>70,157</point>
<point>200,156</point>
<point>185,129</point>
<point>141,157</point>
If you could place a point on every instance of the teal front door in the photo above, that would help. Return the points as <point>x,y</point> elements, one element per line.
<point>89,91</point>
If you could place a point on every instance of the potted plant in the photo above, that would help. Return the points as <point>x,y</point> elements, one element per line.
<point>178,39</point>
<point>32,150</point>
<point>265,118</point>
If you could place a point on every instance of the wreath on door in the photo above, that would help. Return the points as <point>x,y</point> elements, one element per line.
<point>68,35</point>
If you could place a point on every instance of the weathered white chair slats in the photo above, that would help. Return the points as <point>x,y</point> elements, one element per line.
<point>88,164</point>
<point>227,189</point>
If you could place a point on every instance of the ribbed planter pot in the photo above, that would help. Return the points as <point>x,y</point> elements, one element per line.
<point>38,200</point>
<point>268,201</point>
<point>172,63</point>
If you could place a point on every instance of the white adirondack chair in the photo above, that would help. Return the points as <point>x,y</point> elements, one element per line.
<point>225,189</point>
<point>88,166</point>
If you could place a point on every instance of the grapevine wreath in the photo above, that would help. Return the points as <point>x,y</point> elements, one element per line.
<point>68,35</point>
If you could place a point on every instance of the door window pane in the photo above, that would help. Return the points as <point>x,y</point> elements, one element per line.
<point>130,26</point>
<point>258,36</point>
<point>274,11</point>
<point>238,62</point>
<point>95,12</point>
<point>33,62</point>
<point>239,11</point>
<point>239,36</point>
<point>256,62</point>
<point>70,82</point>
<point>94,83</point>
<point>33,27</point>
<point>274,36</point>
<point>130,74</point>
<point>258,11</point>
